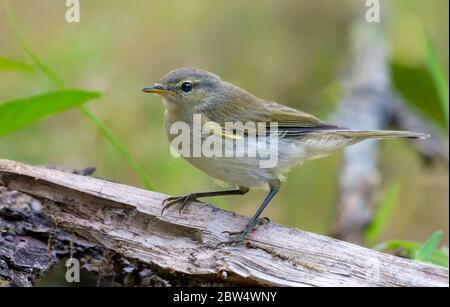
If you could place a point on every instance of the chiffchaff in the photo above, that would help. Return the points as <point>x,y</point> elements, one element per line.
<point>188,92</point>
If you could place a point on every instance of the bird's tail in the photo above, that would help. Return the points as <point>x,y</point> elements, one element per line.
<point>359,135</point>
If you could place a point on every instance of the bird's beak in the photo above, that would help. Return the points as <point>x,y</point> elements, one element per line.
<point>158,89</point>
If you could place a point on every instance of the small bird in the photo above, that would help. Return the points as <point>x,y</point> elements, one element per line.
<point>187,92</point>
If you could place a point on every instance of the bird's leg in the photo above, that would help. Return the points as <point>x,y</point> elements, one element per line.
<point>255,221</point>
<point>186,199</point>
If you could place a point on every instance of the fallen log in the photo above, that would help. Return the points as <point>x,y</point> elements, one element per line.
<point>128,221</point>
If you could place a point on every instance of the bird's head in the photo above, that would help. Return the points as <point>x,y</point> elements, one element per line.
<point>187,87</point>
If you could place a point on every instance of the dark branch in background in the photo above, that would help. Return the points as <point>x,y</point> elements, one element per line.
<point>370,103</point>
<point>119,231</point>
<point>432,149</point>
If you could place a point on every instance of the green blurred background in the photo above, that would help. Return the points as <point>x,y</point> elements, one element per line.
<point>287,51</point>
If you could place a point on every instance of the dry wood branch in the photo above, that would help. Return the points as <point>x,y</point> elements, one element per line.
<point>368,92</point>
<point>127,221</point>
<point>370,103</point>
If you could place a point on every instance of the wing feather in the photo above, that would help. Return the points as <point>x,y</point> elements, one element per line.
<point>244,108</point>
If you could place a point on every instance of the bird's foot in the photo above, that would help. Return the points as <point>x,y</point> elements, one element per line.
<point>183,200</point>
<point>240,236</point>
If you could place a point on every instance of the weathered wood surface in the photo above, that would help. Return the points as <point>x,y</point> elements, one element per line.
<point>30,246</point>
<point>128,221</point>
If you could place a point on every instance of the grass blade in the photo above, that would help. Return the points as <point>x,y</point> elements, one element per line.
<point>440,257</point>
<point>384,210</point>
<point>8,64</point>
<point>437,73</point>
<point>19,113</point>
<point>409,250</point>
<point>114,141</point>
<point>104,129</point>
<point>425,252</point>
<point>46,70</point>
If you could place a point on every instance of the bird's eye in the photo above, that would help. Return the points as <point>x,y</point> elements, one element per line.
<point>186,87</point>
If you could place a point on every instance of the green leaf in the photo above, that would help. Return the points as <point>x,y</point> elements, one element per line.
<point>437,73</point>
<point>8,64</point>
<point>407,246</point>
<point>425,252</point>
<point>383,213</point>
<point>19,113</point>
<point>440,257</point>
<point>410,249</point>
<point>415,84</point>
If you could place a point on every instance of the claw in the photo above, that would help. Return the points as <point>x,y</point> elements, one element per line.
<point>167,203</point>
<point>166,200</point>
<point>232,241</point>
<point>184,200</point>
<point>231,233</point>
<point>241,235</point>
